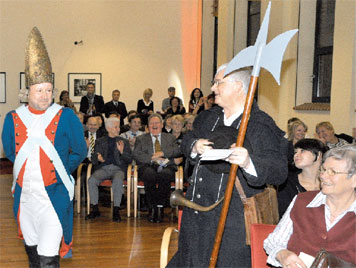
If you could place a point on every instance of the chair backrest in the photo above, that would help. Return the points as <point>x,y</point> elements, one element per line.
<point>259,233</point>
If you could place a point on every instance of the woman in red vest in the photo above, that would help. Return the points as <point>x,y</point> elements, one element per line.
<point>316,220</point>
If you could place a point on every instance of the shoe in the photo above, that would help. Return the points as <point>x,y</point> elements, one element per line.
<point>160,214</point>
<point>116,214</point>
<point>152,215</point>
<point>49,262</point>
<point>33,258</point>
<point>94,213</point>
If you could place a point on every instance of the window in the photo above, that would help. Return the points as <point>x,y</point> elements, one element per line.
<point>253,21</point>
<point>323,53</point>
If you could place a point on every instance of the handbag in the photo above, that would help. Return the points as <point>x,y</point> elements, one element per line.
<point>260,208</point>
<point>325,259</point>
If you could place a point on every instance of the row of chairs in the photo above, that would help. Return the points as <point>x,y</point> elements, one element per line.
<point>132,183</point>
<point>135,187</point>
<point>259,233</point>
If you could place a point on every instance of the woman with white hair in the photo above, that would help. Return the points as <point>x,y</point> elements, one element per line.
<point>320,219</point>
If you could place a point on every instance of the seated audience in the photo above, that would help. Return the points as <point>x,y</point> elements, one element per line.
<point>167,124</point>
<point>177,131</point>
<point>154,153</point>
<point>65,101</point>
<point>325,132</point>
<point>101,122</point>
<point>176,107</point>
<point>320,219</point>
<point>81,117</point>
<point>209,101</point>
<point>134,131</point>
<point>126,127</point>
<point>145,106</point>
<point>188,122</point>
<point>116,106</point>
<point>91,135</point>
<point>166,103</point>
<point>196,102</point>
<point>308,154</point>
<point>111,156</point>
<point>296,131</point>
<point>91,104</point>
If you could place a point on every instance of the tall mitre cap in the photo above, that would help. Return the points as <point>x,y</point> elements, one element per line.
<point>38,68</point>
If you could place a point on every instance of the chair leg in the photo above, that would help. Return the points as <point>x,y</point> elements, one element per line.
<point>135,197</point>
<point>88,196</point>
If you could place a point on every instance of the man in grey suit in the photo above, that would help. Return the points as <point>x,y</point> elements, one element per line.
<point>154,153</point>
<point>111,156</point>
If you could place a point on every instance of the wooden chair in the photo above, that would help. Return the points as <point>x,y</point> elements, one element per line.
<point>108,183</point>
<point>139,185</point>
<point>166,240</point>
<point>259,233</point>
<point>78,184</point>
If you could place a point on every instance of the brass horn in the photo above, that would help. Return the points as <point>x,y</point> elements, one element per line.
<point>178,199</point>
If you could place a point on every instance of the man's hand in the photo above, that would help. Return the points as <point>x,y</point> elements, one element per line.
<point>239,156</point>
<point>120,146</point>
<point>289,259</point>
<point>316,136</point>
<point>178,160</point>
<point>100,158</point>
<point>157,156</point>
<point>132,141</point>
<point>201,145</point>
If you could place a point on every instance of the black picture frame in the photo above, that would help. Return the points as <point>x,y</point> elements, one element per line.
<point>2,87</point>
<point>77,84</point>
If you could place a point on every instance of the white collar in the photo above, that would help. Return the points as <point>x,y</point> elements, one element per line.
<point>320,199</point>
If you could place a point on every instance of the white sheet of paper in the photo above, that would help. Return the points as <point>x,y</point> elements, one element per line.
<point>215,154</point>
<point>306,258</point>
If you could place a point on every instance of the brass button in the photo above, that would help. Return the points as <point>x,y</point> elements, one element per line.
<point>52,132</point>
<point>198,195</point>
<point>16,125</point>
<point>17,134</point>
<point>56,123</point>
<point>17,144</point>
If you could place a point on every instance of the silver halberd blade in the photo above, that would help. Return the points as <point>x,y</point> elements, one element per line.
<point>268,56</point>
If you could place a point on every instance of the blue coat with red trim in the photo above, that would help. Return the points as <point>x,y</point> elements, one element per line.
<point>67,134</point>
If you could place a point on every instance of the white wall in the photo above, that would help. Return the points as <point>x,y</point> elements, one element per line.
<point>135,44</point>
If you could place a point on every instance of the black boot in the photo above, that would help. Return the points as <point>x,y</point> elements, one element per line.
<point>33,258</point>
<point>152,212</point>
<point>116,214</point>
<point>94,213</point>
<point>49,262</point>
<point>160,214</point>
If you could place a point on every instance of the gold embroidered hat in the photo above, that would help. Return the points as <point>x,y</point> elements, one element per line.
<point>38,68</point>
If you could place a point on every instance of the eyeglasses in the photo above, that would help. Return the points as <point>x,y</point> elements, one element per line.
<point>217,82</point>
<point>330,171</point>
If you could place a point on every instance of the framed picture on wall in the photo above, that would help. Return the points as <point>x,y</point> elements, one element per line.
<point>23,99</point>
<point>77,83</point>
<point>2,87</point>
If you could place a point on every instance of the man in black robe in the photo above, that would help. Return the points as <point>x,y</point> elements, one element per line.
<point>262,160</point>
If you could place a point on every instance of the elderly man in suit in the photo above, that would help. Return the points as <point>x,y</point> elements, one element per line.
<point>111,156</point>
<point>91,104</point>
<point>154,153</point>
<point>116,106</point>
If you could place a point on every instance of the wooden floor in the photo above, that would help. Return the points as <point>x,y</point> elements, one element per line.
<point>98,243</point>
